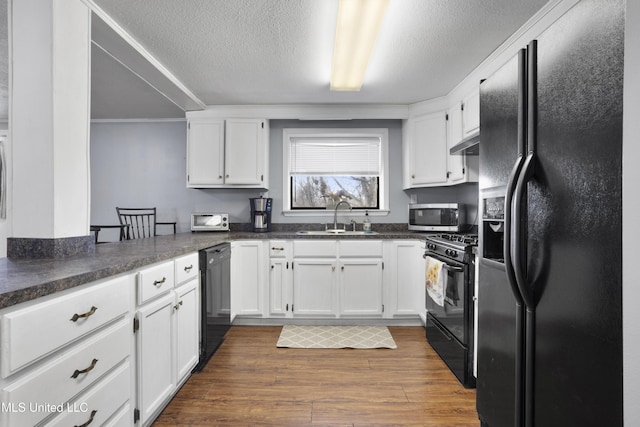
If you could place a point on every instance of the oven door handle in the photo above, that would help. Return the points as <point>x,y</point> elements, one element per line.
<point>446,266</point>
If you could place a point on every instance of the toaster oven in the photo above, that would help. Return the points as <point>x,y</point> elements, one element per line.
<point>210,222</point>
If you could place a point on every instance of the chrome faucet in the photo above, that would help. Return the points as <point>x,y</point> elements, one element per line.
<point>335,213</point>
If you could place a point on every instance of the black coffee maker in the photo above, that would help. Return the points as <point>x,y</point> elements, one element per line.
<point>261,214</point>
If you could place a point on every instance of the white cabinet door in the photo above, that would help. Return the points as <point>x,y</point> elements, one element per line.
<point>245,151</point>
<point>280,278</point>
<point>360,287</point>
<point>406,278</point>
<point>187,320</point>
<point>156,363</point>
<point>247,277</point>
<point>455,162</point>
<point>205,153</point>
<point>427,157</point>
<point>471,113</point>
<point>314,283</point>
<point>227,153</point>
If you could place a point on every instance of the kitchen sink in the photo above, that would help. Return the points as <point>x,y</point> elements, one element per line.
<point>338,232</point>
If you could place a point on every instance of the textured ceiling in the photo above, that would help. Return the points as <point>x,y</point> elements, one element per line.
<point>234,52</point>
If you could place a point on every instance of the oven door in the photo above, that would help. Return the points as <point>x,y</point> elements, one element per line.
<point>452,314</point>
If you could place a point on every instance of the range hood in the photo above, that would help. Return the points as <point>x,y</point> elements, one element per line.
<point>470,145</point>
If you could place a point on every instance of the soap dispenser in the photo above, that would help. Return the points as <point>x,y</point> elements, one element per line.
<point>366,225</point>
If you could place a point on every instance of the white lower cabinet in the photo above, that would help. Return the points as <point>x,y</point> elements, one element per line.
<point>327,279</point>
<point>280,278</point>
<point>167,342</point>
<point>360,285</point>
<point>314,287</point>
<point>248,276</point>
<point>187,327</point>
<point>405,278</point>
<point>79,360</point>
<point>360,278</point>
<point>72,358</point>
<point>156,366</point>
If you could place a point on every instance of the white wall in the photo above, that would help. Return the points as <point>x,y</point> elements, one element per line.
<point>630,223</point>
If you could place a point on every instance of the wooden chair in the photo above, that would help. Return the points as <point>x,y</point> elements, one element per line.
<point>141,222</point>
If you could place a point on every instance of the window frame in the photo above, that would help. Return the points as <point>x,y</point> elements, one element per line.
<point>383,179</point>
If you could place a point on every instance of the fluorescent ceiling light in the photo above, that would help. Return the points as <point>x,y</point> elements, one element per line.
<point>357,28</point>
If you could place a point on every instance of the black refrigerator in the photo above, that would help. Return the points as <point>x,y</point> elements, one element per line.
<point>550,239</point>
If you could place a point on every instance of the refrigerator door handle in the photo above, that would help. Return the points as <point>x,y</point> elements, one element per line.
<point>516,237</point>
<point>508,229</point>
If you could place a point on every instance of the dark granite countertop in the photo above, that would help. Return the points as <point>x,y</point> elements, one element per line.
<point>23,280</point>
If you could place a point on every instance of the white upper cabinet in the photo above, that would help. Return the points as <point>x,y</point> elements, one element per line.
<point>228,153</point>
<point>245,153</point>
<point>205,153</point>
<point>425,150</point>
<point>471,113</point>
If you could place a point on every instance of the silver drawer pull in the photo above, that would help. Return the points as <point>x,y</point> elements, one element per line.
<point>188,268</point>
<point>85,370</point>
<point>277,249</point>
<point>93,414</point>
<point>77,316</point>
<point>159,282</point>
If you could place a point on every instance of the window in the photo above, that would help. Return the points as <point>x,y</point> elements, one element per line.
<point>326,166</point>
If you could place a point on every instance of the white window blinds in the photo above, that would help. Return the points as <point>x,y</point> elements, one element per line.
<point>355,156</point>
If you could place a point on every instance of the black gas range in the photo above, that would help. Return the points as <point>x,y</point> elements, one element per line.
<point>456,246</point>
<point>449,321</point>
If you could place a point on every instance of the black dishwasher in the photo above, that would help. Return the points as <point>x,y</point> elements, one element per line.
<point>215,292</point>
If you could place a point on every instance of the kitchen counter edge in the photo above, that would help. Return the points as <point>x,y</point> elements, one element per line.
<point>23,280</point>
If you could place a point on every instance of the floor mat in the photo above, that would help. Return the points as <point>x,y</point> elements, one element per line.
<point>293,336</point>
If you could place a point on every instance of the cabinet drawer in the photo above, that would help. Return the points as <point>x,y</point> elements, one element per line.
<point>359,248</point>
<point>315,248</point>
<point>278,249</point>
<point>100,402</point>
<point>155,281</point>
<point>122,418</point>
<point>55,382</point>
<point>31,333</point>
<point>186,268</point>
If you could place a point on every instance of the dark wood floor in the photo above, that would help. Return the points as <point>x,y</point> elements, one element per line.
<point>250,382</point>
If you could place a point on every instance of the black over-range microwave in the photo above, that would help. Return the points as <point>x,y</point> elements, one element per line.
<point>449,217</point>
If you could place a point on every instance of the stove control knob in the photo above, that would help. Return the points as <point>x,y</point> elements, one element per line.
<point>432,246</point>
<point>452,253</point>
